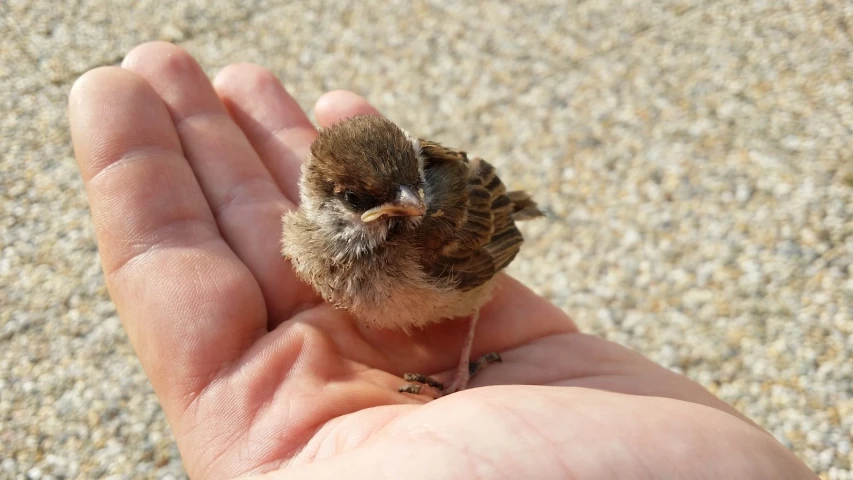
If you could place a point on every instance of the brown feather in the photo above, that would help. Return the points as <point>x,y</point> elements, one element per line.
<point>488,240</point>
<point>343,148</point>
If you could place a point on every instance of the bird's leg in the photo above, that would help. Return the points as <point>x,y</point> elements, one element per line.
<point>464,369</point>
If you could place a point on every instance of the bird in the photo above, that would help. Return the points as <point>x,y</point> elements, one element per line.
<point>403,232</point>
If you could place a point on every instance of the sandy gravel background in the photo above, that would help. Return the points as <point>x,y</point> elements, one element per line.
<point>697,158</point>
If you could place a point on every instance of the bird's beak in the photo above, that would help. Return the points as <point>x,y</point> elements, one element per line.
<point>409,203</point>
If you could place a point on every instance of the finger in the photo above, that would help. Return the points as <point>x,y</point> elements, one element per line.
<point>188,304</point>
<point>580,360</point>
<point>271,119</point>
<point>243,196</point>
<point>340,104</point>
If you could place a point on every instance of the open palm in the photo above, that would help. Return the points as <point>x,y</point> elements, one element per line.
<point>187,182</point>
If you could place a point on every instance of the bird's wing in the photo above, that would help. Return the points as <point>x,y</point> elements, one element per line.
<point>472,215</point>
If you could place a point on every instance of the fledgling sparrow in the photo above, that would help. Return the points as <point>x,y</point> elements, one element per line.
<point>402,232</point>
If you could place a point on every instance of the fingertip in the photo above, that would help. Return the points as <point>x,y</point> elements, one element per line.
<point>157,48</point>
<point>82,99</point>
<point>251,86</point>
<point>337,105</point>
<point>238,75</point>
<point>95,82</point>
<point>270,118</point>
<point>176,77</point>
<point>111,109</point>
<point>83,85</point>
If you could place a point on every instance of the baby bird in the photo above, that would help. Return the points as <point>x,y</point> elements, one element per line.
<point>402,232</point>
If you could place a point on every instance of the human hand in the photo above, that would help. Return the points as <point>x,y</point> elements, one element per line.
<point>187,183</point>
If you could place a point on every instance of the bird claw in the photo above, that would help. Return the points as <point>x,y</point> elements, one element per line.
<point>484,362</point>
<point>413,388</point>
<point>418,383</point>
<point>436,389</point>
<point>423,379</point>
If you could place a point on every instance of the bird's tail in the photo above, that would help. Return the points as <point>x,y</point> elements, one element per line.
<point>523,206</point>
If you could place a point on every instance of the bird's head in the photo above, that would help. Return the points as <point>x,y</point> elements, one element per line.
<point>364,182</point>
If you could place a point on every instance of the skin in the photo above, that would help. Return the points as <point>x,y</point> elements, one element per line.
<point>187,182</point>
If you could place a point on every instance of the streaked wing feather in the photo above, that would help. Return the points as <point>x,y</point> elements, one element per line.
<point>487,240</point>
<point>436,153</point>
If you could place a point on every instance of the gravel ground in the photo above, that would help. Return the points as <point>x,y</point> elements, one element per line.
<point>695,157</point>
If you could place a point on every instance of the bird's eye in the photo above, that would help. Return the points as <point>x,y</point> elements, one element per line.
<point>355,200</point>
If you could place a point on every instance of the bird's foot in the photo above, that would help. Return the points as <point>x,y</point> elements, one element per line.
<point>484,362</point>
<point>419,383</point>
